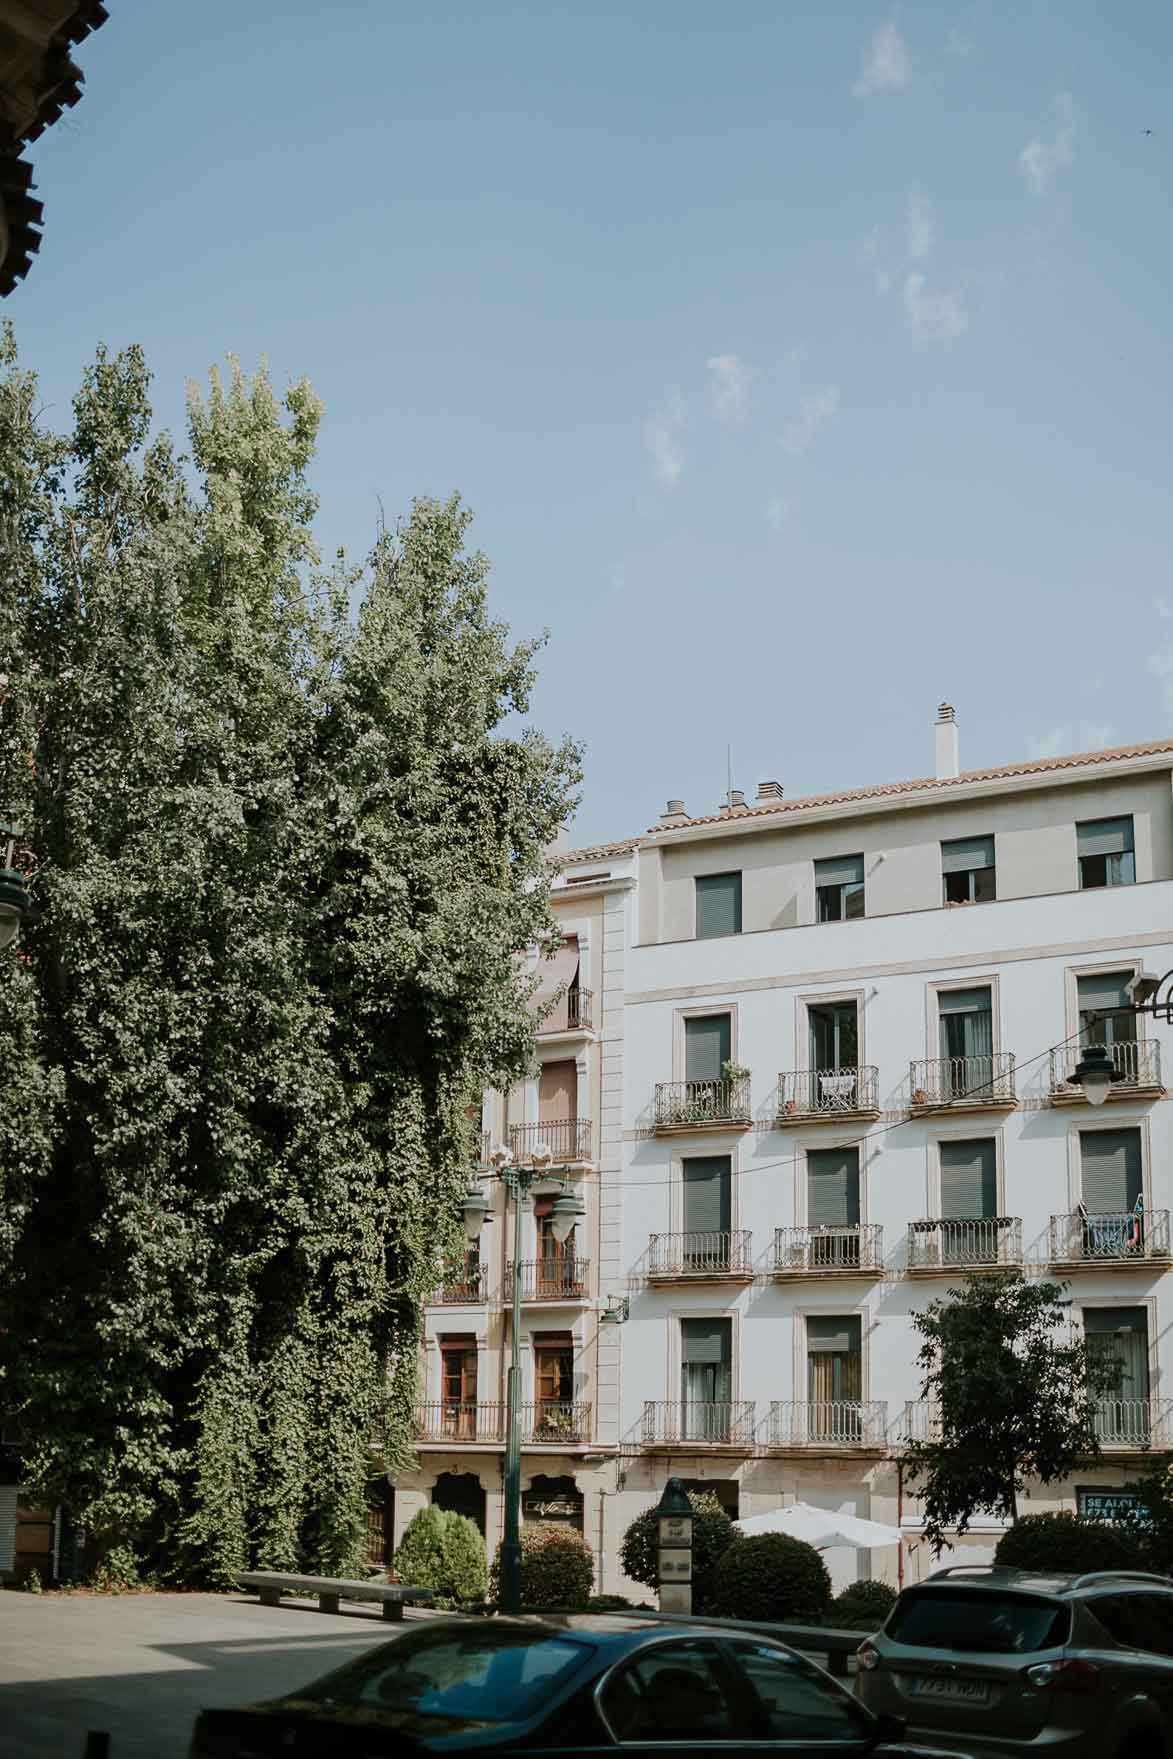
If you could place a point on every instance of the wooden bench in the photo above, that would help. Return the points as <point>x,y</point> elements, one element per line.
<point>272,1584</point>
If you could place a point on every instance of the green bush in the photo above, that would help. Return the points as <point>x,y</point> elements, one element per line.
<point>443,1551</point>
<point>712,1534</point>
<point>1063,1541</point>
<point>557,1569</point>
<point>863,1606</point>
<point>612,1603</point>
<point>771,1576</point>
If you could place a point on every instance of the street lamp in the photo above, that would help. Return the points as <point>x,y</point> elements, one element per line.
<point>566,1211</point>
<point>1095,1073</point>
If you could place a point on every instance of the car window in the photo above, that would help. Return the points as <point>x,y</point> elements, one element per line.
<point>797,1701</point>
<point>1138,1620</point>
<point>1118,1615</point>
<point>480,1676</point>
<point>675,1692</point>
<point>978,1620</point>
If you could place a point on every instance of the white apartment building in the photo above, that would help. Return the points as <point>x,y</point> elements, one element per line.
<point>825,1073</point>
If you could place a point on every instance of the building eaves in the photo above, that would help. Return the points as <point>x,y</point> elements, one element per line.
<point>597,852</point>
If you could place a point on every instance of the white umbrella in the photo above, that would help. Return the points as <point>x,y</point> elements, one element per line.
<point>801,1520</point>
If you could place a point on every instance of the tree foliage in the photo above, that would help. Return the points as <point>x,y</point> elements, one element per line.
<point>1062,1540</point>
<point>1013,1395</point>
<point>283,859</point>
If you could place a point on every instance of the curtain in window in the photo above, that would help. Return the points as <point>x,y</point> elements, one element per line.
<point>967,1038</point>
<point>1119,1336</point>
<point>706,1378</point>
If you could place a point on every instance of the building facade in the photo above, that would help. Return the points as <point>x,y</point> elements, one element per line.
<point>826,1073</point>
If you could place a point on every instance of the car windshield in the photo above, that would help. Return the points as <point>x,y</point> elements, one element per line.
<point>978,1620</point>
<point>477,1676</point>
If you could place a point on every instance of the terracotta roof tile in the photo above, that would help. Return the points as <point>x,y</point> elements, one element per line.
<point>597,852</point>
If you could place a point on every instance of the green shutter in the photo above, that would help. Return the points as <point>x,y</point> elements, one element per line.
<point>1111,1170</point>
<point>965,1001</point>
<point>969,1180</point>
<point>840,870</point>
<point>966,853</point>
<point>832,1188</point>
<point>839,1336</point>
<point>1104,836</point>
<point>708,1046</point>
<point>706,1340</point>
<point>706,1194</point>
<point>718,905</point>
<point>1106,989</point>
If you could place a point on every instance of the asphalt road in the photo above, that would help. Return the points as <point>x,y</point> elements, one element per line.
<point>141,1665</point>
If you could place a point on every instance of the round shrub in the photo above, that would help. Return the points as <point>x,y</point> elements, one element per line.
<point>1063,1541</point>
<point>863,1606</point>
<point>771,1576</point>
<point>443,1551</point>
<point>611,1603</point>
<point>712,1534</point>
<point>557,1569</point>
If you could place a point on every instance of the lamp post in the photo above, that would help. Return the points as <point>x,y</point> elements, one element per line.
<point>567,1209</point>
<point>674,1519</point>
<point>15,902</point>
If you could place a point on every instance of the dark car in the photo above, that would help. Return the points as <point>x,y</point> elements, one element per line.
<point>540,1686</point>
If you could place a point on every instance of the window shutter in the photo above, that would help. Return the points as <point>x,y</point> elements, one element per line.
<point>966,853</point>
<point>839,870</point>
<point>833,1336</point>
<point>707,1340</point>
<point>1104,836</point>
<point>718,904</point>
<point>707,1047</point>
<point>1111,1170</point>
<point>965,1001</point>
<point>969,1180</point>
<point>832,1188</point>
<point>1104,989</point>
<point>706,1194</point>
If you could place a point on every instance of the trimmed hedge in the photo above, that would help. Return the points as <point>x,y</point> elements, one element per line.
<point>862,1606</point>
<point>771,1576</point>
<point>712,1534</point>
<point>1063,1541</point>
<point>443,1551</point>
<point>557,1569</point>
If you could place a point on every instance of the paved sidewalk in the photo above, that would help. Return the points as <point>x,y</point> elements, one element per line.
<point>141,1665</point>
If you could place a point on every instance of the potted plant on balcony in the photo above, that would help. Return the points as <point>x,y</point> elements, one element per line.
<point>736,1075</point>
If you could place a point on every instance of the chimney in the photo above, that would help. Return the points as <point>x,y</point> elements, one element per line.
<point>674,813</point>
<point>948,761</point>
<point>769,790</point>
<point>735,802</point>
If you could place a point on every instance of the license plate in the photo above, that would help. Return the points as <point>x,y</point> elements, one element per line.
<point>962,1691</point>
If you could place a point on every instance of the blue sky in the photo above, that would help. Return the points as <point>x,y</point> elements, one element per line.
<point>803,365</point>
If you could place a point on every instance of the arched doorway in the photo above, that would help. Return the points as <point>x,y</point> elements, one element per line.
<point>552,1499</point>
<point>461,1493</point>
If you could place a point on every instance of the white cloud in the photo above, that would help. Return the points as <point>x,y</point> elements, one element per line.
<point>918,229</point>
<point>779,512</point>
<point>660,438</point>
<point>1070,736</point>
<point>1041,159</point>
<point>730,384</point>
<point>816,409</point>
<point>937,317</point>
<point>871,257</point>
<point>885,66</point>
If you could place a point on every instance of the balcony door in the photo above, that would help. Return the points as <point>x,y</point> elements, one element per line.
<point>706,1379</point>
<point>1118,1338</point>
<point>558,1106</point>
<point>553,1383</point>
<point>708,1046</point>
<point>555,1268</point>
<point>708,1202</point>
<point>834,1377</point>
<point>458,1377</point>
<point>1111,1177</point>
<point>832,1207</point>
<point>834,1046</point>
<point>1105,1016</point>
<point>966,1029</point>
<point>969,1201</point>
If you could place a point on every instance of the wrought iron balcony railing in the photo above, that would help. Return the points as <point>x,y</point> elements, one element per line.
<point>570,1013</point>
<point>442,1420</point>
<point>985,1241</point>
<point>568,1139</point>
<point>843,1251</point>
<point>1123,1238</point>
<point>839,1423</point>
<point>556,1420</point>
<point>463,1287</point>
<point>920,1421</point>
<point>963,1081</point>
<point>695,1104</point>
<point>700,1254</point>
<point>704,1424</point>
<point>1138,1064</point>
<point>1132,1423</point>
<point>550,1279</point>
<point>828,1093</point>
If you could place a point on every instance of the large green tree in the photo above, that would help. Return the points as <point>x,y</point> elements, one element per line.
<point>284,857</point>
<point>1012,1397</point>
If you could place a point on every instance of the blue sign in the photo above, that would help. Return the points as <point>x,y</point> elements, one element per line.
<point>1107,1505</point>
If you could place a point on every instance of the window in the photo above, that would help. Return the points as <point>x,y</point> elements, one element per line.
<point>997,1623</point>
<point>706,1378</point>
<point>969,1200</point>
<point>1110,1164</point>
<point>556,1271</point>
<point>832,1206</point>
<point>967,868</point>
<point>796,1701</point>
<point>966,1029</point>
<point>708,1046</point>
<point>834,1036</point>
<point>834,1377</point>
<point>718,905</point>
<point>1105,852</point>
<point>707,1205</point>
<point>1118,1338</point>
<point>839,888</point>
<point>678,1693</point>
<point>1105,1016</point>
<point>553,1377</point>
<point>465,1676</point>
<point>458,1381</point>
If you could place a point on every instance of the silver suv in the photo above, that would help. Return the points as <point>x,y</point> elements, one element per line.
<point>997,1661</point>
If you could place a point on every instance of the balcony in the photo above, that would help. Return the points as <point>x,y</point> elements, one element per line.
<point>1133,1423</point>
<point>921,1421</point>
<point>1130,1237</point>
<point>992,1242</point>
<point>550,1279</point>
<point>703,1105</point>
<point>809,1095</point>
<point>441,1421</point>
<point>568,1139</point>
<point>955,1084</point>
<point>826,1424</point>
<point>829,1251</point>
<point>1138,1064</point>
<point>570,1013</point>
<point>463,1288</point>
<point>673,1423</point>
<point>700,1257</point>
<point>553,1422</point>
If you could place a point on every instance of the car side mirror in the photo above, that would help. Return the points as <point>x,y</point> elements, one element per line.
<point>888,1728</point>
